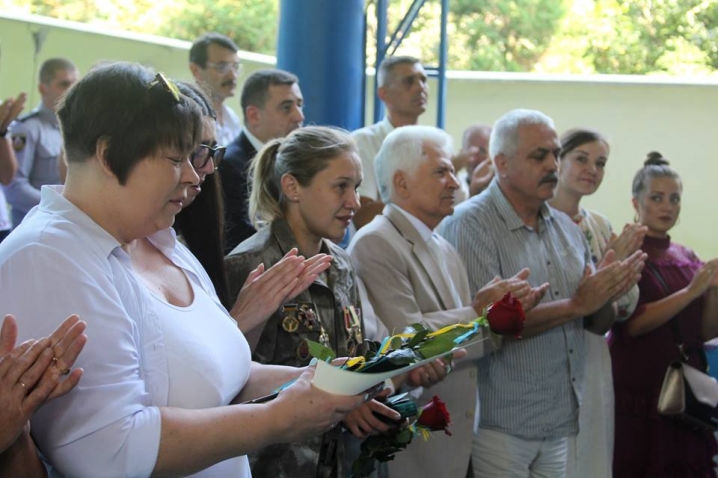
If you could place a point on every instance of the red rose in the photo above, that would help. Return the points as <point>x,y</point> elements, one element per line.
<point>506,317</point>
<point>434,416</point>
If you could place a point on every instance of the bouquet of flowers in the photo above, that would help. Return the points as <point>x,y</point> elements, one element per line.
<point>502,318</point>
<point>431,417</point>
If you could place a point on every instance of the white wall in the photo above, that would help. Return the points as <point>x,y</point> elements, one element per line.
<point>637,114</point>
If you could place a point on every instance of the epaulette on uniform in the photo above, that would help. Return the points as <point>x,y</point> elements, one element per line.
<point>32,114</point>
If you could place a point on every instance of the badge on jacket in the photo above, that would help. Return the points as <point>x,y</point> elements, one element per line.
<point>18,142</point>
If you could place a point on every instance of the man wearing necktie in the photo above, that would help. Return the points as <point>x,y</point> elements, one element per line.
<point>413,275</point>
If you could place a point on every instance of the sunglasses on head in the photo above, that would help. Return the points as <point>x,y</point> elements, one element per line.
<point>167,85</point>
<point>201,156</point>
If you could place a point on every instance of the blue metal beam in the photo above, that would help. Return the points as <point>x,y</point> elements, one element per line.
<point>443,53</point>
<point>404,27</point>
<point>384,49</point>
<point>381,29</point>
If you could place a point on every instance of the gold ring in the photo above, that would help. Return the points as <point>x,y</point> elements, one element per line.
<point>56,362</point>
<point>22,384</point>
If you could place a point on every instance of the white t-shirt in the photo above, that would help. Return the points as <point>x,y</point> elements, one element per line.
<point>60,262</point>
<point>229,128</point>
<point>369,141</point>
<point>202,376</point>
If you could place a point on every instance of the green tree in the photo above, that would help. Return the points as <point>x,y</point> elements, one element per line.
<point>252,24</point>
<point>677,37</point>
<point>499,35</point>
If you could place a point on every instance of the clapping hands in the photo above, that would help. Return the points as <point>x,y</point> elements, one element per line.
<point>10,109</point>
<point>265,291</point>
<point>628,242</point>
<point>32,373</point>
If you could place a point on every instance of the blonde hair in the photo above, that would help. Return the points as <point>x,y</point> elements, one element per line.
<point>303,153</point>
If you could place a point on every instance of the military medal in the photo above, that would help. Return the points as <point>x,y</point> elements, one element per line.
<point>324,337</point>
<point>290,323</point>
<point>308,316</point>
<point>303,350</point>
<point>352,325</point>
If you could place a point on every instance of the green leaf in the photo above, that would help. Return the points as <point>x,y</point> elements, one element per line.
<point>436,346</point>
<point>320,352</point>
<point>417,338</point>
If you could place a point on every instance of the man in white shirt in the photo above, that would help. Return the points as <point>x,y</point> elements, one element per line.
<point>214,63</point>
<point>404,90</point>
<point>412,275</point>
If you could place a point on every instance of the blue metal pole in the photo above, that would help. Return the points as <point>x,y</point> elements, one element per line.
<point>320,41</point>
<point>443,53</point>
<point>381,28</point>
<point>362,113</point>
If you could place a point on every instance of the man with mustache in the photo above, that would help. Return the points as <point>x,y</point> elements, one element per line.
<point>214,63</point>
<point>272,105</point>
<point>414,276</point>
<point>531,389</point>
<point>404,90</point>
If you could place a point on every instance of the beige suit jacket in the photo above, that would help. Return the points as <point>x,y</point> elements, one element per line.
<point>405,285</point>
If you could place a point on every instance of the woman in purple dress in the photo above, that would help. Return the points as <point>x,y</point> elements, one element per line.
<point>679,288</point>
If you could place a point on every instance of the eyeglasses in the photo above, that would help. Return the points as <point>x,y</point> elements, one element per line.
<point>223,67</point>
<point>166,84</point>
<point>201,156</point>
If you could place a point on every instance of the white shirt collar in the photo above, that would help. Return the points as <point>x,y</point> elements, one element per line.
<point>55,202</point>
<point>258,145</point>
<point>420,227</point>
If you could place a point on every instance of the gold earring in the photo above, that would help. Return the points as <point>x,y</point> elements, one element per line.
<point>635,218</point>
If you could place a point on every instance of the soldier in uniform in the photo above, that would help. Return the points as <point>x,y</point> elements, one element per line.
<point>305,190</point>
<point>37,141</point>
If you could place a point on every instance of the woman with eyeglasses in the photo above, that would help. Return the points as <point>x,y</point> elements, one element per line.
<point>166,369</point>
<point>200,224</point>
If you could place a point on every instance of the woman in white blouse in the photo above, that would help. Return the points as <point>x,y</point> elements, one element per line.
<point>584,154</point>
<point>163,361</point>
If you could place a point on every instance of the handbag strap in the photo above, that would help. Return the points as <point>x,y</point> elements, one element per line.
<point>651,268</point>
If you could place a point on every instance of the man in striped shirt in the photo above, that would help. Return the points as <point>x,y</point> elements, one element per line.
<point>531,388</point>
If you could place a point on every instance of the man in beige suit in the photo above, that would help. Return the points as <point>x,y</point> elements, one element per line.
<point>413,275</point>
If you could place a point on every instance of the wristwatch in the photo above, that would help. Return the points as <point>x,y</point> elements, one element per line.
<point>3,133</point>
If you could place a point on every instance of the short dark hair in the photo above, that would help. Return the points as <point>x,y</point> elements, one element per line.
<point>53,65</point>
<point>120,103</point>
<point>386,69</point>
<point>198,51</point>
<point>256,86</point>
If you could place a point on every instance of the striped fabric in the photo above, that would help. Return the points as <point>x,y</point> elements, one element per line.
<point>530,388</point>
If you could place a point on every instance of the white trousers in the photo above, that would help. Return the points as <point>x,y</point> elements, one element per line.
<point>498,455</point>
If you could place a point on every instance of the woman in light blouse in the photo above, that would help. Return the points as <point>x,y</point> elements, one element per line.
<point>164,361</point>
<point>583,159</point>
